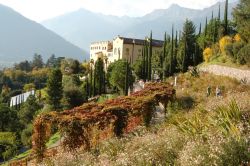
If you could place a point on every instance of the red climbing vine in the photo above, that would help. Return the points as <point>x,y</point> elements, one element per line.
<point>87,125</point>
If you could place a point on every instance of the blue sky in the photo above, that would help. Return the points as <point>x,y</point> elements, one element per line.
<point>39,10</point>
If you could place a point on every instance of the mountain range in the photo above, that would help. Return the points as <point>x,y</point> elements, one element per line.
<point>21,38</point>
<point>82,27</point>
<point>70,34</point>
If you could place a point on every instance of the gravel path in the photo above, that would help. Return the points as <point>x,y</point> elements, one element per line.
<point>241,75</point>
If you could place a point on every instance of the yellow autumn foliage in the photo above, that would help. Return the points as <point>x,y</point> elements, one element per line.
<point>237,37</point>
<point>207,53</point>
<point>224,42</point>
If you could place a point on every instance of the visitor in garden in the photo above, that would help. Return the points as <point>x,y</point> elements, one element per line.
<point>218,91</point>
<point>208,91</point>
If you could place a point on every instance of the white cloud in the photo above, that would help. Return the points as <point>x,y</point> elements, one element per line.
<point>39,10</point>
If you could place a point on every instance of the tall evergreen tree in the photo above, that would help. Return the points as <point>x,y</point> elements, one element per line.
<point>91,78</point>
<point>119,74</point>
<point>150,57</point>
<point>226,18</point>
<point>164,47</point>
<point>241,16</point>
<point>28,110</point>
<point>184,65</point>
<point>37,61</point>
<point>94,82</point>
<point>219,12</point>
<point>143,62</point>
<point>199,30</point>
<point>55,89</point>
<point>188,45</point>
<point>171,53</point>
<point>126,79</point>
<point>206,28</point>
<point>87,88</point>
<point>146,60</point>
<point>175,52</point>
<point>99,76</point>
<point>51,62</point>
<point>215,28</point>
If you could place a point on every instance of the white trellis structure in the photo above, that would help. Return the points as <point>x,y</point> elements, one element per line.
<point>19,99</point>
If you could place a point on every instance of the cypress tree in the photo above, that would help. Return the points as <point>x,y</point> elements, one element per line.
<point>179,36</point>
<point>175,52</point>
<point>126,79</point>
<point>94,77</point>
<point>188,44</point>
<point>206,27</point>
<point>172,52</point>
<point>226,18</point>
<point>91,78</point>
<point>143,62</point>
<point>199,30</point>
<point>184,56</point>
<point>214,30</point>
<point>146,59</point>
<point>99,75</point>
<point>150,57</point>
<point>164,45</point>
<point>55,89</point>
<point>219,12</point>
<point>164,53</point>
<point>87,88</point>
<point>212,15</point>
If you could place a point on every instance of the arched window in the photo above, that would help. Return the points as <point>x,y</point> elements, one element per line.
<point>115,51</point>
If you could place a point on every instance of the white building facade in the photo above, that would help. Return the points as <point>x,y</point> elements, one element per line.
<point>121,48</point>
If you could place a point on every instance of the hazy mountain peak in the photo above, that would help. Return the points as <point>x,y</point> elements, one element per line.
<point>175,6</point>
<point>21,38</point>
<point>83,29</point>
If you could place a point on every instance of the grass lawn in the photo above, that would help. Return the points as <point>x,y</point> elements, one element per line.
<point>54,139</point>
<point>105,97</point>
<point>22,155</point>
<point>225,61</point>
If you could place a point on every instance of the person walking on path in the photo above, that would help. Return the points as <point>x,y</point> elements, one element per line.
<point>208,91</point>
<point>217,91</point>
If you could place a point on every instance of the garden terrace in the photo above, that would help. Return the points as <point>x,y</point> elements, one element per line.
<point>87,125</point>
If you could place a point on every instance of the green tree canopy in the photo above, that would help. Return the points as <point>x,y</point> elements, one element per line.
<point>187,48</point>
<point>118,75</point>
<point>28,110</point>
<point>24,66</point>
<point>99,76</point>
<point>70,66</point>
<point>241,16</point>
<point>8,119</point>
<point>138,68</point>
<point>37,61</point>
<point>55,89</point>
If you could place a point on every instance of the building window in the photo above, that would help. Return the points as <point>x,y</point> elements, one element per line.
<point>115,51</point>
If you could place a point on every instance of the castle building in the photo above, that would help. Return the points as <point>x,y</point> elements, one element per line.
<point>122,48</point>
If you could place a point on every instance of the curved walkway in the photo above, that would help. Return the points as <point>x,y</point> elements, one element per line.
<point>239,74</point>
